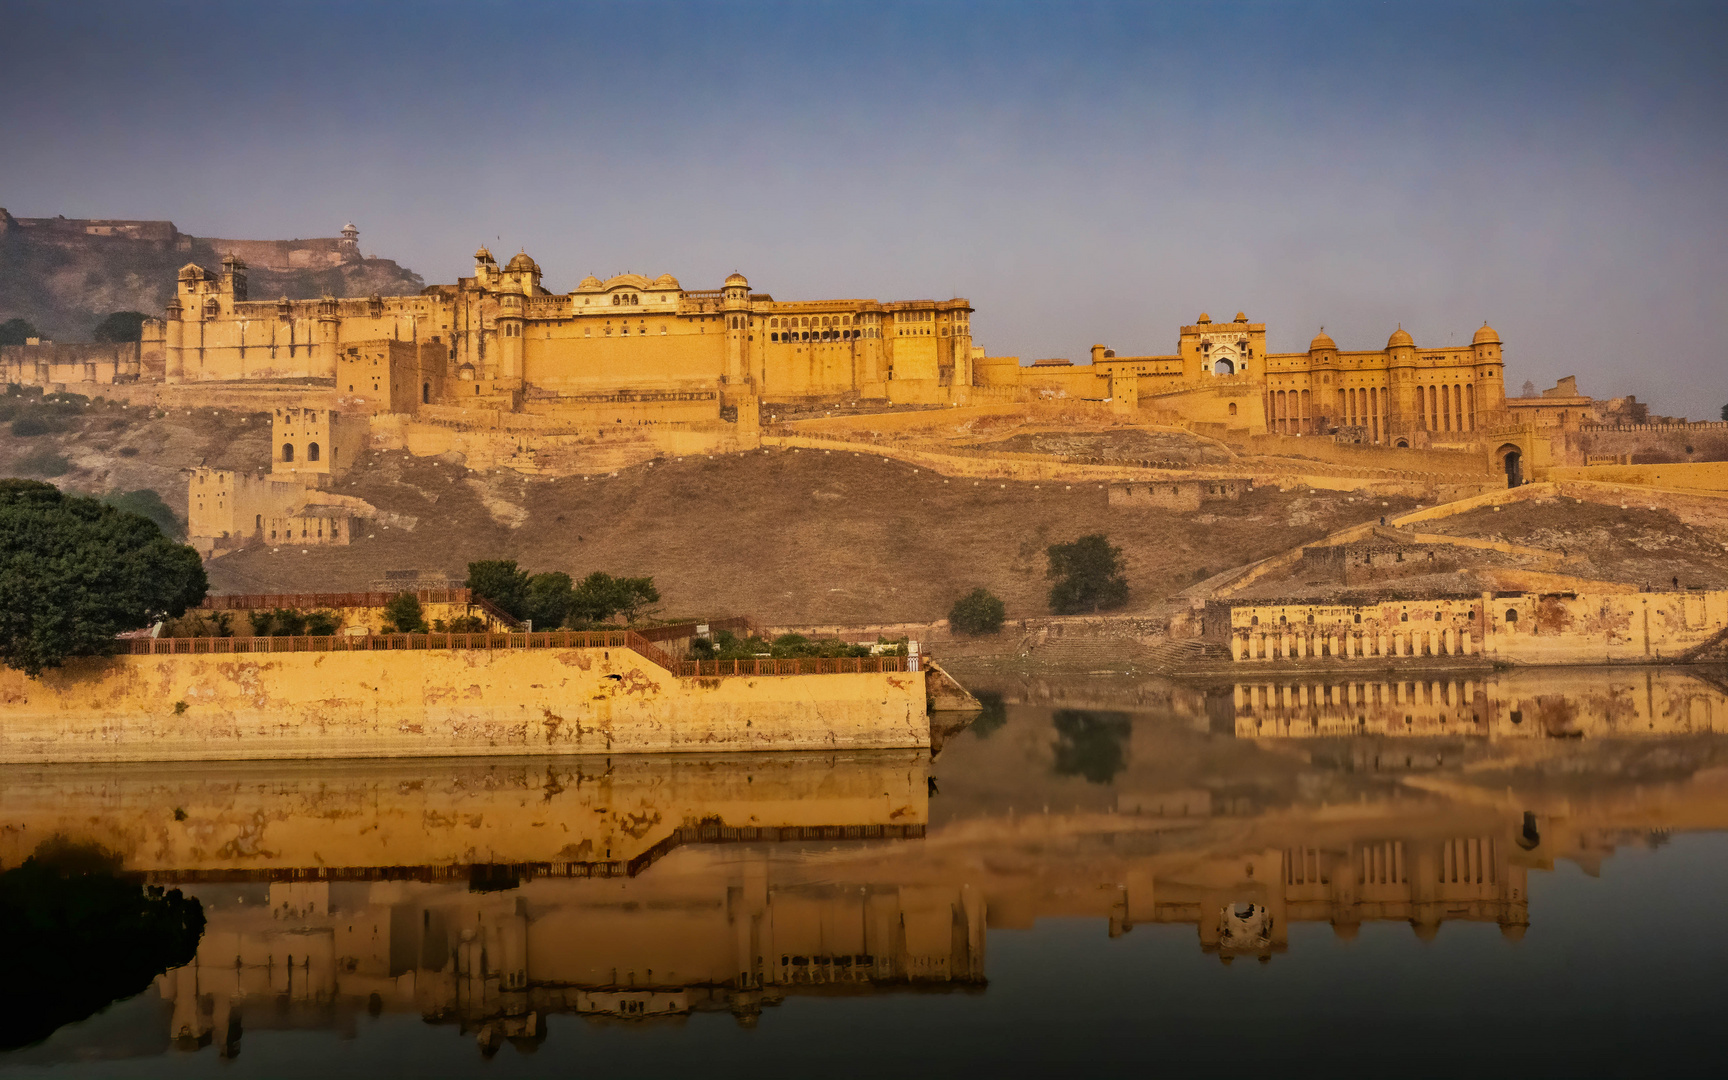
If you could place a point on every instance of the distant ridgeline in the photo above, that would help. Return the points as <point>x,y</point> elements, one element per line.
<point>64,274</point>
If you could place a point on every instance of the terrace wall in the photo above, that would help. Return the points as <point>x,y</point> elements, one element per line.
<point>227,698</point>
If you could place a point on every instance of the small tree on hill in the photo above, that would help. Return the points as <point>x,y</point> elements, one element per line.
<point>1725,412</point>
<point>121,326</point>
<point>74,573</point>
<point>1088,576</point>
<point>499,581</point>
<point>978,612</point>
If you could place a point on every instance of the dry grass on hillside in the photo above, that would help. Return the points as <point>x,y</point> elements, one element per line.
<point>787,536</point>
<point>1635,544</point>
<point>103,447</point>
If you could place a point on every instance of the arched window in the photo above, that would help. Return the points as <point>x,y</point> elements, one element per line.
<point>1511,615</point>
<point>287,451</point>
<point>311,451</point>
<point>425,393</point>
<point>1232,408</point>
<point>773,322</point>
<point>773,337</point>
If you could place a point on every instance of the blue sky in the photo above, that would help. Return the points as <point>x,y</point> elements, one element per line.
<point>1082,172</point>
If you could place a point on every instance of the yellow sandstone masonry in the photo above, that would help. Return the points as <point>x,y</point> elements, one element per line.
<point>438,702</point>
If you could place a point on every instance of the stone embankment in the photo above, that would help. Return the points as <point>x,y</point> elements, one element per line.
<point>448,694</point>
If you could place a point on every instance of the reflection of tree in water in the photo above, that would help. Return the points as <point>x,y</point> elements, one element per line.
<point>1091,744</point>
<point>78,938</point>
<point>995,714</point>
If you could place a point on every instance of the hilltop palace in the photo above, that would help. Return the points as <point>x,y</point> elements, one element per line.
<point>616,372</point>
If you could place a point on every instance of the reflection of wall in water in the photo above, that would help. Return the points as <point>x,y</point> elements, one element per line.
<point>1519,705</point>
<point>599,948</point>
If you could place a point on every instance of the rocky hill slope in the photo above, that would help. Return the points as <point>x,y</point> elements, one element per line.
<point>64,280</point>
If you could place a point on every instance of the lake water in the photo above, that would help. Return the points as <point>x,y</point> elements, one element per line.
<point>1097,876</point>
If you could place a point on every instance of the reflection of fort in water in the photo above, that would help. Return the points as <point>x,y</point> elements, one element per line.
<point>491,895</point>
<point>1525,704</point>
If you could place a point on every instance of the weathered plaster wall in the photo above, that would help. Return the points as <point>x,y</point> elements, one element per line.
<point>437,702</point>
<point>1527,628</point>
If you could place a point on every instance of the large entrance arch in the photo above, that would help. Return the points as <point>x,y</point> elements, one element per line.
<point>1224,367</point>
<point>1512,464</point>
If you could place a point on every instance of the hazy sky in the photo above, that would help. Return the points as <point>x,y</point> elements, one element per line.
<point>1081,172</point>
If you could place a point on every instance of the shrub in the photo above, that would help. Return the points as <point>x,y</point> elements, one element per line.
<point>33,423</point>
<point>978,612</point>
<point>1088,576</point>
<point>466,624</point>
<point>601,596</point>
<point>44,462</point>
<point>17,331</point>
<point>322,623</point>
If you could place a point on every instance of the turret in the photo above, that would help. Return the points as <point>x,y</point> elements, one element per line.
<point>174,341</point>
<point>1490,372</point>
<point>735,311</point>
<point>233,282</point>
<point>509,326</point>
<point>1401,384</point>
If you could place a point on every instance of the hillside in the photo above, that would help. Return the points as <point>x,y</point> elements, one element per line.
<point>64,282</point>
<point>786,536</point>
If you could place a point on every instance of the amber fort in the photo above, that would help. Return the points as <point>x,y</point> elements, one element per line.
<point>619,372</point>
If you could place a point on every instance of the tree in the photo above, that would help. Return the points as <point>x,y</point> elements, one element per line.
<point>121,326</point>
<point>548,600</point>
<point>499,581</point>
<point>1088,576</point>
<point>1529,389</point>
<point>17,331</point>
<point>147,503</point>
<point>1725,412</point>
<point>978,612</point>
<point>402,615</point>
<point>74,573</point>
<point>601,596</point>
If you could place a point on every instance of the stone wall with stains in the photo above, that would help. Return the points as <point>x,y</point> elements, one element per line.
<point>1519,628</point>
<point>438,702</point>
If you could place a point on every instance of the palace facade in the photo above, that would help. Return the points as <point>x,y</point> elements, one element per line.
<point>1397,395</point>
<point>500,340</point>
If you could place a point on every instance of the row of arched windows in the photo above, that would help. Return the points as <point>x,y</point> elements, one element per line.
<point>625,299</point>
<point>1287,411</point>
<point>1448,408</point>
<point>821,335</point>
<point>815,320</point>
<point>288,451</point>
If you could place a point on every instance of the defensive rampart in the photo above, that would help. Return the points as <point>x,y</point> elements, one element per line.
<point>448,694</point>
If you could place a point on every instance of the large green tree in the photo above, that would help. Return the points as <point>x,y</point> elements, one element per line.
<point>500,581</point>
<point>601,596</point>
<point>121,326</point>
<point>1088,576</point>
<point>74,573</point>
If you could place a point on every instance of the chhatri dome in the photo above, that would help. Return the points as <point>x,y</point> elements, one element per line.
<point>482,255</point>
<point>737,279</point>
<point>590,282</point>
<point>1321,341</point>
<point>520,261</point>
<point>1485,336</point>
<point>1399,337</point>
<point>665,281</point>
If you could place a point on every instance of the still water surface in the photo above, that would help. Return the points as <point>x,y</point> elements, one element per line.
<point>1105,878</point>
